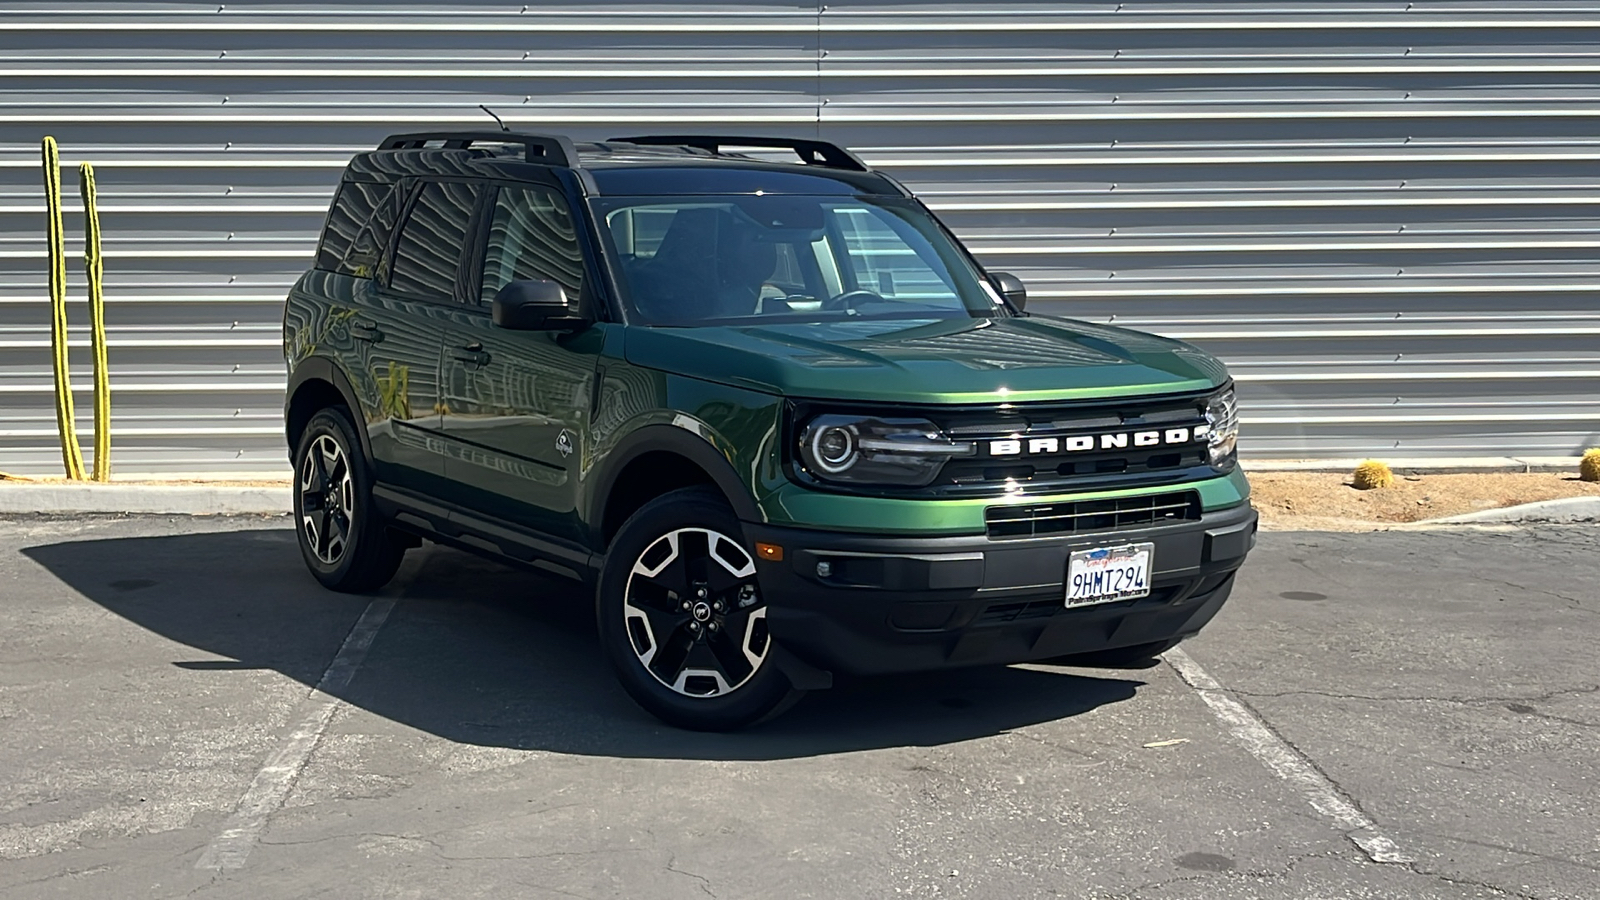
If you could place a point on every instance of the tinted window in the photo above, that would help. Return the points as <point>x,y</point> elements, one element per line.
<point>366,255</point>
<point>349,219</point>
<point>532,238</point>
<point>710,259</point>
<point>428,255</point>
<point>882,261</point>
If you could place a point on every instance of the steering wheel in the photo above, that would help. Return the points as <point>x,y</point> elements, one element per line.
<point>849,299</point>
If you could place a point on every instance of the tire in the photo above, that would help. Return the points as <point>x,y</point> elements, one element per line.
<point>1117,657</point>
<point>346,544</point>
<point>682,620</point>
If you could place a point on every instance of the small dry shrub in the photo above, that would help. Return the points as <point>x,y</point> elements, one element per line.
<point>1589,466</point>
<point>1371,474</point>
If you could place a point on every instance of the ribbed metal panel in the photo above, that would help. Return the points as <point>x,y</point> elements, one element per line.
<point>1384,215</point>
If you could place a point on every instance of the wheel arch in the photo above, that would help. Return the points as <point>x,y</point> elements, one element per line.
<point>317,383</point>
<point>654,460</point>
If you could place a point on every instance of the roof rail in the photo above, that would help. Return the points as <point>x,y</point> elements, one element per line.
<point>812,153</point>
<point>550,150</point>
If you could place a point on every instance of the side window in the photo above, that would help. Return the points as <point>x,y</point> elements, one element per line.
<point>366,254</point>
<point>350,219</point>
<point>428,255</point>
<point>531,238</point>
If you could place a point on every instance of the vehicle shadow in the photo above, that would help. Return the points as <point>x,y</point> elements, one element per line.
<point>483,654</point>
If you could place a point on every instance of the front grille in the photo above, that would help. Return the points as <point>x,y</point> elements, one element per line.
<point>1083,516</point>
<point>1051,447</point>
<point>1038,472</point>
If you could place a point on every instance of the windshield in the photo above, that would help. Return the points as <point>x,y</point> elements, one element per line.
<point>758,259</point>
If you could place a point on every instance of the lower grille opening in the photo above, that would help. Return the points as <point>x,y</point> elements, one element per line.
<point>1010,612</point>
<point>1001,613</point>
<point>1083,516</point>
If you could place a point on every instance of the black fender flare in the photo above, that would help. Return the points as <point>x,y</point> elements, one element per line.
<point>685,443</point>
<point>321,368</point>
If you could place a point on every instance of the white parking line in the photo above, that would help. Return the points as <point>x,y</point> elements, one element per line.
<point>272,784</point>
<point>1286,762</point>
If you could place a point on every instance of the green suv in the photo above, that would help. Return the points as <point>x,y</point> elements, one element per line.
<point>771,413</point>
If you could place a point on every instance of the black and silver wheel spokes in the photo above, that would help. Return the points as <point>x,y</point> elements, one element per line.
<point>694,615</point>
<point>327,499</point>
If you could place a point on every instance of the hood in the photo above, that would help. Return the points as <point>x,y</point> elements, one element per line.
<point>931,361</point>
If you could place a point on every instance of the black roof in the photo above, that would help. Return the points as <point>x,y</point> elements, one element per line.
<point>650,165</point>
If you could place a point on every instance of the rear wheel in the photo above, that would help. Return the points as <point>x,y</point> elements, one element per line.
<point>345,542</point>
<point>682,617</point>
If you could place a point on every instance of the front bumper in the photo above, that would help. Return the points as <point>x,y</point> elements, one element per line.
<point>899,604</point>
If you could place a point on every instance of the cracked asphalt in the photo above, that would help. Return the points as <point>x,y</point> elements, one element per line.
<point>1444,681</point>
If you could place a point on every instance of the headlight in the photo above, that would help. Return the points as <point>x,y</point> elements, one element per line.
<point>849,449</point>
<point>1222,415</point>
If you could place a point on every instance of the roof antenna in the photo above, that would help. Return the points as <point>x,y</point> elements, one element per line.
<point>496,118</point>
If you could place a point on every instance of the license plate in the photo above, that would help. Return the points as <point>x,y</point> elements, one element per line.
<point>1109,574</point>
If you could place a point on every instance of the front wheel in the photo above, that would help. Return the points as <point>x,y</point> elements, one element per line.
<point>682,617</point>
<point>345,541</point>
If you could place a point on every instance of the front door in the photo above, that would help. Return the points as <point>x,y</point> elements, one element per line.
<point>517,402</point>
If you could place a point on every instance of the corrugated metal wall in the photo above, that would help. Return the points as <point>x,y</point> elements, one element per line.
<point>1384,215</point>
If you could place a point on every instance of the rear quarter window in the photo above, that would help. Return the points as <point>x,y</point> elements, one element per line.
<point>358,229</point>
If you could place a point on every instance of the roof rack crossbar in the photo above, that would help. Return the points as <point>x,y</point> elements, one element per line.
<point>814,153</point>
<point>547,149</point>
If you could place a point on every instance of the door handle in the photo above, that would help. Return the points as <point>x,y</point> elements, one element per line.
<point>366,331</point>
<point>472,353</point>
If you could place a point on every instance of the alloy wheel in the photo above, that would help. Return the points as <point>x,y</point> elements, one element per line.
<point>327,499</point>
<point>694,613</point>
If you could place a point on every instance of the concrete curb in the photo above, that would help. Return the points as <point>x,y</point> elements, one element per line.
<point>1568,510</point>
<point>157,499</point>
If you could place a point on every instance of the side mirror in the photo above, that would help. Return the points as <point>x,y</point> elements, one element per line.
<point>533,306</point>
<point>1011,288</point>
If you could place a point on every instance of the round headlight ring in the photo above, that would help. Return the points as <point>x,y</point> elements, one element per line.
<point>833,448</point>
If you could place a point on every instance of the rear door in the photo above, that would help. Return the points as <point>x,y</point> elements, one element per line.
<point>384,343</point>
<point>517,402</point>
<point>404,317</point>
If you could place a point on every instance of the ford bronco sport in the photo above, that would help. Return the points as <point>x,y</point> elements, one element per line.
<point>771,413</point>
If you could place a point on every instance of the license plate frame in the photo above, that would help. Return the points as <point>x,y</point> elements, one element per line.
<point>1126,571</point>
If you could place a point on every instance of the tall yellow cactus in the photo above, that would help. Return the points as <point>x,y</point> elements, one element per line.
<point>394,392</point>
<point>94,268</point>
<point>66,424</point>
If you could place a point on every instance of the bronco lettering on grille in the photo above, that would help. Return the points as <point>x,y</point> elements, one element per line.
<point>1082,443</point>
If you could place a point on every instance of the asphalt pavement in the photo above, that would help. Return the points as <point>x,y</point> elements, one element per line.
<point>161,735</point>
